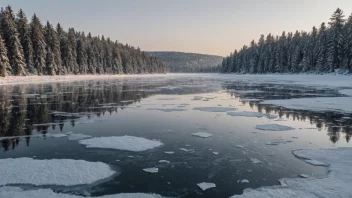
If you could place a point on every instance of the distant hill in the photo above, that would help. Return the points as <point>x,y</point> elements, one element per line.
<point>189,62</point>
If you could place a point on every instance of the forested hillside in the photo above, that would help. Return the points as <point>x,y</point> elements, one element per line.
<point>29,48</point>
<point>322,50</point>
<point>189,62</point>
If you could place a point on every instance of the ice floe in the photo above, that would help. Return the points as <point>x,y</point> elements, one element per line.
<point>202,134</point>
<point>64,172</point>
<point>164,161</point>
<point>169,152</point>
<point>126,143</point>
<point>151,170</point>
<point>215,109</point>
<point>251,114</point>
<point>337,183</point>
<point>186,150</point>
<point>205,186</point>
<point>273,127</point>
<point>255,161</point>
<point>77,136</point>
<point>15,192</point>
<point>340,104</point>
<point>216,153</point>
<point>167,110</point>
<point>346,92</point>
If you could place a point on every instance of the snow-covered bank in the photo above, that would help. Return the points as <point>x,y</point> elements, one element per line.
<point>337,183</point>
<point>64,172</point>
<point>13,80</point>
<point>15,192</point>
<point>342,104</point>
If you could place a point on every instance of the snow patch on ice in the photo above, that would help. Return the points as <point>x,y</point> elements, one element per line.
<point>151,170</point>
<point>15,192</point>
<point>126,143</point>
<point>346,92</point>
<point>251,114</point>
<point>337,183</point>
<point>77,136</point>
<point>214,109</point>
<point>255,161</point>
<point>340,104</point>
<point>164,161</point>
<point>167,110</point>
<point>64,172</point>
<point>169,152</point>
<point>205,186</point>
<point>273,127</point>
<point>202,134</point>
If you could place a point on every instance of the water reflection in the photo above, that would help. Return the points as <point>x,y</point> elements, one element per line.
<point>34,109</point>
<point>334,123</point>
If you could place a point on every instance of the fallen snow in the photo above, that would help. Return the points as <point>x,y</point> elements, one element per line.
<point>251,114</point>
<point>337,183</point>
<point>341,104</point>
<point>64,172</point>
<point>151,170</point>
<point>214,109</point>
<point>126,143</point>
<point>273,127</point>
<point>77,136</point>
<point>202,134</point>
<point>15,192</point>
<point>205,186</point>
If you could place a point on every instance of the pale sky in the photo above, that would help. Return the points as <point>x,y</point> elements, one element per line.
<point>201,26</point>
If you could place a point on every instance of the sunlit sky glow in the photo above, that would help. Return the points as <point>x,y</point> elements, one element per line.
<point>201,26</point>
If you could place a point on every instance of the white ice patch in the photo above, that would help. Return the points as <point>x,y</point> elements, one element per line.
<point>205,186</point>
<point>337,183</point>
<point>186,150</point>
<point>255,161</point>
<point>244,181</point>
<point>151,170</point>
<point>167,110</point>
<point>273,127</point>
<point>341,104</point>
<point>216,153</point>
<point>77,136</point>
<point>169,152</point>
<point>126,143</point>
<point>164,161</point>
<point>239,146</point>
<point>202,134</point>
<point>346,92</point>
<point>215,109</point>
<point>316,162</point>
<point>64,172</point>
<point>15,192</point>
<point>303,175</point>
<point>251,114</point>
<point>197,98</point>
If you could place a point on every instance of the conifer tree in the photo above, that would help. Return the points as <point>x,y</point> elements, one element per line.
<point>5,68</point>
<point>39,45</point>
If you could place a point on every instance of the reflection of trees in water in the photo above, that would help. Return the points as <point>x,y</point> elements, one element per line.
<point>22,107</point>
<point>332,122</point>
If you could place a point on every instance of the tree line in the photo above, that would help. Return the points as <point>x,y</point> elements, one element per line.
<point>322,50</point>
<point>29,48</point>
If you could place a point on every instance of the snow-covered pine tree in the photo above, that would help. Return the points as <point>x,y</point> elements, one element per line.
<point>336,35</point>
<point>5,68</point>
<point>50,63</point>
<point>82,60</point>
<point>71,37</point>
<point>12,42</point>
<point>25,38</point>
<point>39,45</point>
<point>348,42</point>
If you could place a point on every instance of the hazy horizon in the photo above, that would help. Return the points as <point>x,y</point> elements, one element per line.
<point>205,27</point>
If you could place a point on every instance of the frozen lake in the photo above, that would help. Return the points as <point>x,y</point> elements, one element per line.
<point>167,134</point>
